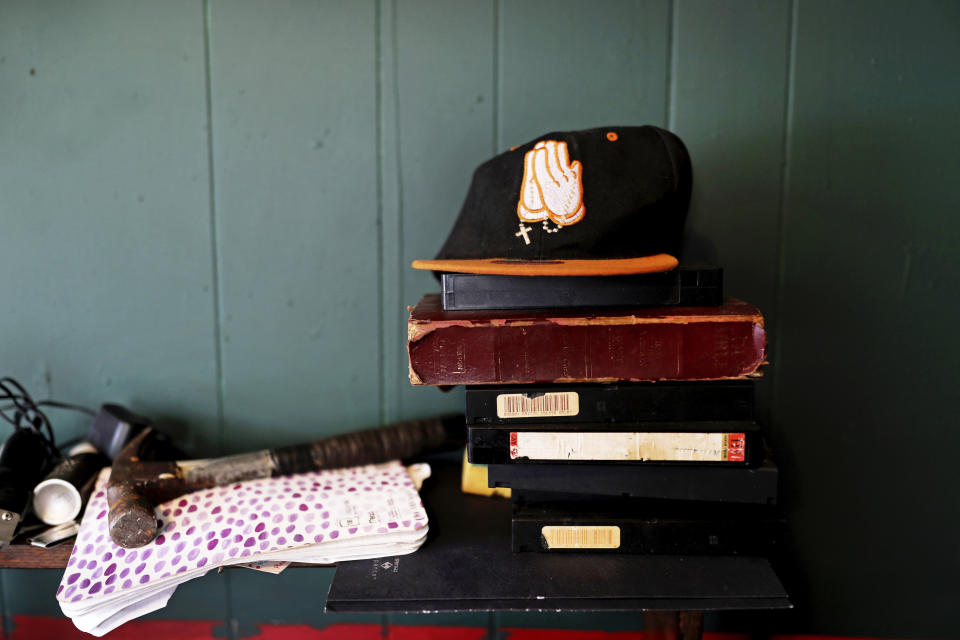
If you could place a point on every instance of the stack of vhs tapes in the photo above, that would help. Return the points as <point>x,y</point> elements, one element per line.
<point>662,467</point>
<point>658,467</point>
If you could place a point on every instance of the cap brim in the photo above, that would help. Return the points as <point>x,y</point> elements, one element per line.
<point>507,267</point>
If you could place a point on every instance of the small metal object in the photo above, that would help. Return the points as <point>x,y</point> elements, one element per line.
<point>55,535</point>
<point>8,526</point>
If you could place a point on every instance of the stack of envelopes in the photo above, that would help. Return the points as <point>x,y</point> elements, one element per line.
<point>317,518</point>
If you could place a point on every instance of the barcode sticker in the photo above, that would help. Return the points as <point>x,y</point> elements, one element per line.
<point>565,537</point>
<point>522,405</point>
<point>664,447</point>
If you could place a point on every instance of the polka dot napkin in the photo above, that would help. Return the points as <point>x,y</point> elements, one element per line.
<point>320,517</point>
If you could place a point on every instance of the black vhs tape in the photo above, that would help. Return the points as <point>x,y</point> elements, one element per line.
<point>631,528</point>
<point>628,403</point>
<point>589,482</point>
<point>688,286</point>
<point>731,443</point>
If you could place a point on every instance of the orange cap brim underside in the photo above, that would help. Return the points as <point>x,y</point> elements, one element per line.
<point>506,267</point>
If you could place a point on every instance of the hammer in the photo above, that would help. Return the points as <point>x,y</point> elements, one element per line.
<point>137,485</point>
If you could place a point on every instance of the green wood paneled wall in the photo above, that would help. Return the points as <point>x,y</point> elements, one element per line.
<point>207,210</point>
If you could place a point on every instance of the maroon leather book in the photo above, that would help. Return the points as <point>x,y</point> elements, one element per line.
<point>575,345</point>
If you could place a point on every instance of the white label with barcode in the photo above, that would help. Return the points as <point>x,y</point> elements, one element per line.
<point>546,405</point>
<point>579,445</point>
<point>592,537</point>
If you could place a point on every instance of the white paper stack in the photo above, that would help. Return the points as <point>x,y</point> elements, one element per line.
<point>321,517</point>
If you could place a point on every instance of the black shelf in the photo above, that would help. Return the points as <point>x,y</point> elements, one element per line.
<point>466,565</point>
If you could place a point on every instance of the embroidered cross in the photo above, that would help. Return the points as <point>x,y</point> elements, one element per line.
<point>523,232</point>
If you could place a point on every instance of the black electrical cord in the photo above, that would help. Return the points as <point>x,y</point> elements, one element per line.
<point>26,413</point>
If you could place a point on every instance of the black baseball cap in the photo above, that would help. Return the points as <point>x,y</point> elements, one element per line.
<point>606,201</point>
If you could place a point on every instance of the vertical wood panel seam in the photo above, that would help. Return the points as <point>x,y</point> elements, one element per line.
<point>378,141</point>
<point>398,134</point>
<point>493,626</point>
<point>214,235</point>
<point>672,39</point>
<point>495,132</point>
<point>4,620</point>
<point>787,145</point>
<point>215,274</point>
<point>389,274</point>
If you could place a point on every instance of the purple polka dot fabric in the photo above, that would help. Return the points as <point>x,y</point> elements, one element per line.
<point>238,523</point>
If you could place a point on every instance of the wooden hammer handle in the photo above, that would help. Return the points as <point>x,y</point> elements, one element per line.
<point>399,440</point>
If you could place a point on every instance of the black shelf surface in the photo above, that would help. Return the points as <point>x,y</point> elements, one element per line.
<point>466,565</point>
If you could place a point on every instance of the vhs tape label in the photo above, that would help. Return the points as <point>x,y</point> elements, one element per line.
<point>617,446</point>
<point>588,537</point>
<point>546,405</point>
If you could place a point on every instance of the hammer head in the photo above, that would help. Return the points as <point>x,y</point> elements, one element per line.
<point>136,486</point>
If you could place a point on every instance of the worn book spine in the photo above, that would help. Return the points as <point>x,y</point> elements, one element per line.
<point>696,345</point>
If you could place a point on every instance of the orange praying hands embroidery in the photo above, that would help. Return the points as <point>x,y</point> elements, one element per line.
<point>552,185</point>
